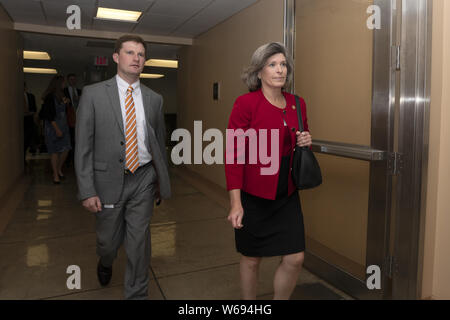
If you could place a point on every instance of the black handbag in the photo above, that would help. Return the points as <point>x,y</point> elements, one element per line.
<point>305,168</point>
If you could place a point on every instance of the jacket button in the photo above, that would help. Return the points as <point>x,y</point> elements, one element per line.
<point>122,143</point>
<point>121,160</point>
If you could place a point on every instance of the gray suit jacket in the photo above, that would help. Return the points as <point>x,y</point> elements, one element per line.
<point>100,141</point>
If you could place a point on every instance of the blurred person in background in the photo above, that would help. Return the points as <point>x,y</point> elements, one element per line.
<point>56,128</point>
<point>73,94</point>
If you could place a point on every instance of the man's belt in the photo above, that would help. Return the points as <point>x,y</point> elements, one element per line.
<point>126,171</point>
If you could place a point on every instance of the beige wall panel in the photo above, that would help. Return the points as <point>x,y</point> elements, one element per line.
<point>436,278</point>
<point>335,214</point>
<point>333,66</point>
<point>11,108</point>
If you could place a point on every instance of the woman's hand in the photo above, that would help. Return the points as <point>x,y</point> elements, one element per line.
<point>65,100</point>
<point>59,133</point>
<point>236,211</point>
<point>304,139</point>
<point>235,216</point>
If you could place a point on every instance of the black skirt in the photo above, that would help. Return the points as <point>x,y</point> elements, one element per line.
<point>272,227</point>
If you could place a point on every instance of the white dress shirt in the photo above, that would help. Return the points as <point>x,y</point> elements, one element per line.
<point>73,94</point>
<point>141,126</point>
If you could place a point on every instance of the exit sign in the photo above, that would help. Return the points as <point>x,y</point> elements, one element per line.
<point>101,61</point>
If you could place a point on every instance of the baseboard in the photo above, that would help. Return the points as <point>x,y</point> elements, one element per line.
<point>11,200</point>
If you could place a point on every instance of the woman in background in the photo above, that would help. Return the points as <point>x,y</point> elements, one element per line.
<point>56,130</point>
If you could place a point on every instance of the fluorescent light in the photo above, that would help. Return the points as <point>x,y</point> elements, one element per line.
<point>162,63</point>
<point>151,75</point>
<point>39,70</point>
<point>116,14</point>
<point>36,55</point>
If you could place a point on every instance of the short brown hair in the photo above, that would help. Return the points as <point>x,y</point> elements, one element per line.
<point>128,37</point>
<point>259,60</point>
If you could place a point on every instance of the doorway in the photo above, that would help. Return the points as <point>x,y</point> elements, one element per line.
<point>354,67</point>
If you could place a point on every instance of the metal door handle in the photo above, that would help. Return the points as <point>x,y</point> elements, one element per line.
<point>347,150</point>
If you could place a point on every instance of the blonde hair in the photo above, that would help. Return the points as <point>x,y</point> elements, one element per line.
<point>258,62</point>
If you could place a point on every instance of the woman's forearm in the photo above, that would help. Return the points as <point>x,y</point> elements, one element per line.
<point>235,197</point>
<point>55,125</point>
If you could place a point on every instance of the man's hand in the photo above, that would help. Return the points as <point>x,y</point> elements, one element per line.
<point>157,197</point>
<point>93,204</point>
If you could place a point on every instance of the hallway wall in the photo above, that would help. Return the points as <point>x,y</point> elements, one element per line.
<point>219,55</point>
<point>436,261</point>
<point>11,107</point>
<point>166,86</point>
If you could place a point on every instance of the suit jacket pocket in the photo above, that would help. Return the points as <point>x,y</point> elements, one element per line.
<point>100,166</point>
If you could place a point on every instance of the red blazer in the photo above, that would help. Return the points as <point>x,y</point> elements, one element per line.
<point>253,110</point>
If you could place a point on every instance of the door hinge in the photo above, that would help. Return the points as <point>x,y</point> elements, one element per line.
<point>390,266</point>
<point>396,51</point>
<point>395,163</point>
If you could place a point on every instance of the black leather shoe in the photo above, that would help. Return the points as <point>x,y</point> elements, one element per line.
<point>104,274</point>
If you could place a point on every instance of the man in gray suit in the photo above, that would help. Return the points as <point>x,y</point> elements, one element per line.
<point>121,164</point>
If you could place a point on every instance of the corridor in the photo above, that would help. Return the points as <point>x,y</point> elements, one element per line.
<point>193,254</point>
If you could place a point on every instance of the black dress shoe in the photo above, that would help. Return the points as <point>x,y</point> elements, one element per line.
<point>104,274</point>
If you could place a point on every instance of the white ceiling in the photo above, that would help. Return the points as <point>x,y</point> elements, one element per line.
<point>171,18</point>
<point>177,18</point>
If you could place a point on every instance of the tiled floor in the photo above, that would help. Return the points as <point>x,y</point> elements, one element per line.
<point>193,253</point>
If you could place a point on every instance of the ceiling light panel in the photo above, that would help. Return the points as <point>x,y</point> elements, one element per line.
<point>36,55</point>
<point>151,76</point>
<point>117,14</point>
<point>39,70</point>
<point>162,63</point>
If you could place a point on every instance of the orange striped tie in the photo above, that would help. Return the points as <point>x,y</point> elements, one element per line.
<point>131,150</point>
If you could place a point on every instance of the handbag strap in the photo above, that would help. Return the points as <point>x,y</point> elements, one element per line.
<point>299,113</point>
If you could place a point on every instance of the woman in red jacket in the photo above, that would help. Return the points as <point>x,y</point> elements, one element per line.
<point>265,206</point>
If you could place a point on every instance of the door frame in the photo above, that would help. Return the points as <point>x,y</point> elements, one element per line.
<point>405,161</point>
<point>413,143</point>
